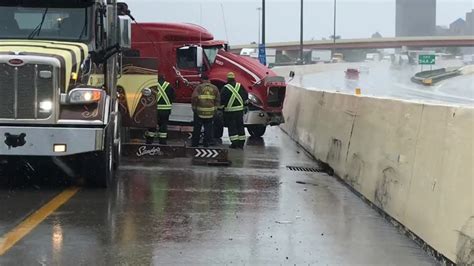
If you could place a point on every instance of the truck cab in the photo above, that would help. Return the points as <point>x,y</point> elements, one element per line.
<point>58,72</point>
<point>186,51</point>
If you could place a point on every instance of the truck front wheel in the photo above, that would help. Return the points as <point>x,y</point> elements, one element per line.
<point>7,170</point>
<point>256,130</point>
<point>100,167</point>
<point>117,143</point>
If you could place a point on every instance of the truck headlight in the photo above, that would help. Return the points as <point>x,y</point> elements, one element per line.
<point>84,96</point>
<point>147,92</point>
<point>45,106</point>
<point>255,100</point>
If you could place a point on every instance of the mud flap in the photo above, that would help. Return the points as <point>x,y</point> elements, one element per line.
<point>138,109</point>
<point>150,153</point>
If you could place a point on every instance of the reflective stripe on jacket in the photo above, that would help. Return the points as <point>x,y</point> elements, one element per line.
<point>163,101</point>
<point>233,105</point>
<point>205,100</point>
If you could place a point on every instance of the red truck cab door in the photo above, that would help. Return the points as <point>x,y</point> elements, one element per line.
<point>189,66</point>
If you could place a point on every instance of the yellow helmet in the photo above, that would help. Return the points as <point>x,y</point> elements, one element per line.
<point>231,75</point>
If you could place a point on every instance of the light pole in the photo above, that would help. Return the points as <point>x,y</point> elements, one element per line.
<point>263,22</point>
<point>259,24</point>
<point>301,35</point>
<point>334,33</point>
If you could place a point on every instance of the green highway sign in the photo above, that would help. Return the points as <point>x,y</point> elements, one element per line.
<point>426,59</point>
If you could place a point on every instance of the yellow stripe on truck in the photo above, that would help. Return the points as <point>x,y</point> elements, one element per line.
<point>81,50</point>
<point>133,86</point>
<point>62,49</point>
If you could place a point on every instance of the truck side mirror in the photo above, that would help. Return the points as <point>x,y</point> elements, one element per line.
<point>291,75</point>
<point>199,57</point>
<point>125,32</point>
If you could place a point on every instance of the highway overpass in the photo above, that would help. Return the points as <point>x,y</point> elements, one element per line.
<point>372,43</point>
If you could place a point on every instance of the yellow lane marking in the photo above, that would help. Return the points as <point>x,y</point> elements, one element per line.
<point>30,223</point>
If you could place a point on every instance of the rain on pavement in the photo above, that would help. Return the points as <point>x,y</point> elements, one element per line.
<point>170,212</point>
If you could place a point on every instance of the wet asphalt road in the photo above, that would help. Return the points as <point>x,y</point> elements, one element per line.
<point>380,80</point>
<point>170,212</point>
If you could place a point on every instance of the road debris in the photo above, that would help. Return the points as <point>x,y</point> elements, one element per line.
<point>283,222</point>
<point>306,183</point>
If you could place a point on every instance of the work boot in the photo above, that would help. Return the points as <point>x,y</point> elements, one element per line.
<point>149,140</point>
<point>216,142</point>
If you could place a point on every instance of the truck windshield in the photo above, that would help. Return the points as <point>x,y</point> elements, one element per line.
<point>45,23</point>
<point>211,53</point>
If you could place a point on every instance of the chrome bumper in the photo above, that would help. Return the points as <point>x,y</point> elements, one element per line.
<point>263,118</point>
<point>40,141</point>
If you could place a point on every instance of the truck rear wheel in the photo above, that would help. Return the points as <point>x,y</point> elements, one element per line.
<point>100,168</point>
<point>256,130</point>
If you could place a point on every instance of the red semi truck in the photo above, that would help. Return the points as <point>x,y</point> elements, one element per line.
<point>186,51</point>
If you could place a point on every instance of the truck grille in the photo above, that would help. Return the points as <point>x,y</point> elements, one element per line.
<point>276,96</point>
<point>22,90</point>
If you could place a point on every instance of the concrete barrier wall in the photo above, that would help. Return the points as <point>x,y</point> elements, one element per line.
<point>468,70</point>
<point>412,160</point>
<point>315,68</point>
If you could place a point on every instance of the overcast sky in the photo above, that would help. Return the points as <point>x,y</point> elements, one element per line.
<point>356,18</point>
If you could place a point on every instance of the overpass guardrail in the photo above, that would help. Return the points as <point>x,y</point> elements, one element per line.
<point>432,77</point>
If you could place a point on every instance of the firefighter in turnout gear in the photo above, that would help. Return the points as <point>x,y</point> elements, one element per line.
<point>234,98</point>
<point>165,96</point>
<point>205,101</point>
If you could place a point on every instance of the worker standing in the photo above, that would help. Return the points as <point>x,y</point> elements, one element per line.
<point>205,101</point>
<point>233,99</point>
<point>165,96</point>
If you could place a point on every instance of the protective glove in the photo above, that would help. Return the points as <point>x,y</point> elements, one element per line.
<point>220,113</point>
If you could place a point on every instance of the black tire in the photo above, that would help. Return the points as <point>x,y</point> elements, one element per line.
<point>7,171</point>
<point>99,168</point>
<point>118,145</point>
<point>256,130</point>
<point>117,154</point>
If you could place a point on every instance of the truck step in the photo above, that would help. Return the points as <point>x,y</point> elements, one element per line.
<point>149,153</point>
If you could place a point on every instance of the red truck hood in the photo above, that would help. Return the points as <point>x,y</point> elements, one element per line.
<point>245,67</point>
<point>170,32</point>
<point>255,77</point>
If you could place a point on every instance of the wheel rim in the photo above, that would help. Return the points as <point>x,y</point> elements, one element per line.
<point>119,148</point>
<point>110,162</point>
<point>111,159</point>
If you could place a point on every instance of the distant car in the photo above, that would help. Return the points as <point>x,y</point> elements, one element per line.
<point>364,69</point>
<point>318,56</point>
<point>337,58</point>
<point>372,57</point>
<point>352,73</point>
<point>250,52</point>
<point>387,58</point>
<point>468,59</point>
